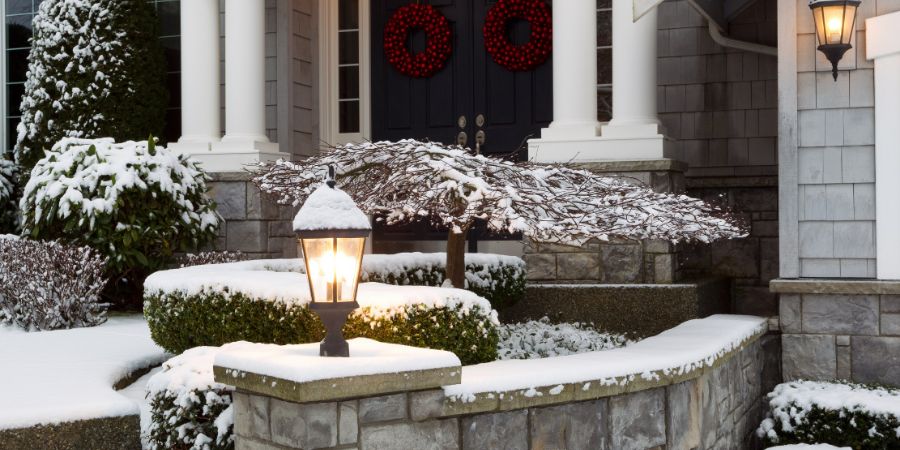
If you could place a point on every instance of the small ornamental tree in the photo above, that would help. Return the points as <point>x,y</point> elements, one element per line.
<point>410,180</point>
<point>96,69</point>
<point>7,195</point>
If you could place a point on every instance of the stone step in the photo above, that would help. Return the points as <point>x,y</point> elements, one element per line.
<point>637,310</point>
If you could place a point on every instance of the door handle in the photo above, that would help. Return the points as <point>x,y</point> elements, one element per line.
<point>462,139</point>
<point>461,122</point>
<point>480,120</point>
<point>480,138</point>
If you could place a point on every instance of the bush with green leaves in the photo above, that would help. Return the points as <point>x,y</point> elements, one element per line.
<point>96,69</point>
<point>498,278</point>
<point>267,301</point>
<point>135,202</point>
<point>837,413</point>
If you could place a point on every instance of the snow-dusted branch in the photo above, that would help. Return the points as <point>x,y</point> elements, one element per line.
<point>411,180</point>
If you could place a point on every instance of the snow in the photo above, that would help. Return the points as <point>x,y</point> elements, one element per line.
<point>61,376</point>
<point>330,208</point>
<point>302,363</point>
<point>282,281</point>
<point>692,345</point>
<point>542,339</point>
<point>808,447</point>
<point>791,402</point>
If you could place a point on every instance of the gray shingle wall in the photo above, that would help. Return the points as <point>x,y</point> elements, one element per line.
<point>836,153</point>
<point>305,119</point>
<point>720,104</point>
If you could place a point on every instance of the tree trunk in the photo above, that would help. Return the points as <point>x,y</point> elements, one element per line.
<point>456,258</point>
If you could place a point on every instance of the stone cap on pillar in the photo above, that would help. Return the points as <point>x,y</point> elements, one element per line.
<point>298,374</point>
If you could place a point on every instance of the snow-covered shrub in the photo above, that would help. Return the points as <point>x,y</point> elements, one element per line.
<point>498,278</point>
<point>842,414</point>
<point>266,301</point>
<point>136,202</point>
<point>95,69</point>
<point>7,194</point>
<point>188,409</point>
<point>46,285</point>
<point>542,339</point>
<point>204,258</point>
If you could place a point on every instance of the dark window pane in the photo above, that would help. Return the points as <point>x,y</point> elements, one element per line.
<point>18,65</point>
<point>348,47</point>
<point>169,18</point>
<point>604,4</point>
<point>173,126</point>
<point>173,82</point>
<point>349,116</point>
<point>18,31</point>
<point>348,15</point>
<point>11,133</point>
<point>172,50</point>
<point>18,6</point>
<point>15,93</point>
<point>604,106</point>
<point>348,84</point>
<point>604,28</point>
<point>604,66</point>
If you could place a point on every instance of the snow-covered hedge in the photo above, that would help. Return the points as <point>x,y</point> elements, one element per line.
<point>96,69</point>
<point>48,285</point>
<point>842,414</point>
<point>136,202</point>
<point>498,278</point>
<point>542,339</point>
<point>266,301</point>
<point>188,409</point>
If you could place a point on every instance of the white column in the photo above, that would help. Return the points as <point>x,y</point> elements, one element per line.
<point>883,46</point>
<point>634,66</point>
<point>574,70</point>
<point>200,104</point>
<point>245,71</point>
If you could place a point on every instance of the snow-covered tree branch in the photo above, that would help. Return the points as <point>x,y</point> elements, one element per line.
<point>410,180</point>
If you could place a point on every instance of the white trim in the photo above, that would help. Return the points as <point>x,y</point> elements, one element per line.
<point>328,74</point>
<point>3,63</point>
<point>788,197</point>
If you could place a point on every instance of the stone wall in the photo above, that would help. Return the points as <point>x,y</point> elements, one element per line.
<point>718,407</point>
<point>254,224</point>
<point>834,330</point>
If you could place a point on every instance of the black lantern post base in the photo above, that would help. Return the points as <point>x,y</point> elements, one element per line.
<point>334,316</point>
<point>834,53</point>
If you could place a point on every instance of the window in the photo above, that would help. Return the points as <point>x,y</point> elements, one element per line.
<point>16,43</point>
<point>344,42</point>
<point>604,60</point>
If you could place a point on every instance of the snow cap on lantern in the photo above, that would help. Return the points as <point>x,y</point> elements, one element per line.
<point>330,209</point>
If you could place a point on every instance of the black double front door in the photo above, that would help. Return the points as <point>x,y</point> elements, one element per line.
<point>472,99</point>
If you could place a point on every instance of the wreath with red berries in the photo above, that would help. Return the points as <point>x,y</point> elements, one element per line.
<point>437,49</point>
<point>519,57</point>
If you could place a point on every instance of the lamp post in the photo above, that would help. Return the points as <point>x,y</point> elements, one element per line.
<point>332,231</point>
<point>834,28</point>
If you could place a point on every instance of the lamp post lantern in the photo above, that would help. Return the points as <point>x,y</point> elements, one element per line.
<point>332,232</point>
<point>834,20</point>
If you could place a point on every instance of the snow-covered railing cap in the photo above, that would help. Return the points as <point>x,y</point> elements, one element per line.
<point>330,212</point>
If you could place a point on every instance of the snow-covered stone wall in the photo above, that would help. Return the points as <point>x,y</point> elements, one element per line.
<point>714,404</point>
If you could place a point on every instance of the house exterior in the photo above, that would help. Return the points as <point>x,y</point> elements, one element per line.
<point>723,100</point>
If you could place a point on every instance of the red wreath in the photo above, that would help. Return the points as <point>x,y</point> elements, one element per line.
<point>519,57</point>
<point>437,50</point>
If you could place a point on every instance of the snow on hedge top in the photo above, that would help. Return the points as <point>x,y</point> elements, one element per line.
<point>61,376</point>
<point>301,363</point>
<point>329,208</point>
<point>187,372</point>
<point>87,177</point>
<point>808,447</point>
<point>791,401</point>
<point>692,345</point>
<point>283,281</point>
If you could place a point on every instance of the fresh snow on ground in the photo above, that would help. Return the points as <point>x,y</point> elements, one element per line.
<point>137,392</point>
<point>808,447</point>
<point>282,281</point>
<point>302,363</point>
<point>542,339</point>
<point>60,376</point>
<point>691,345</point>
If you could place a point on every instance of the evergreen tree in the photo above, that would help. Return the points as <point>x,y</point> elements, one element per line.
<point>8,209</point>
<point>96,69</point>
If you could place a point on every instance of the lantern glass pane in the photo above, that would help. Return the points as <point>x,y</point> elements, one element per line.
<point>849,21</point>
<point>348,260</point>
<point>833,24</point>
<point>319,256</point>
<point>819,19</point>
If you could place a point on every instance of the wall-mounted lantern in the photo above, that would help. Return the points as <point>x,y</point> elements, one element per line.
<point>834,20</point>
<point>332,231</point>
